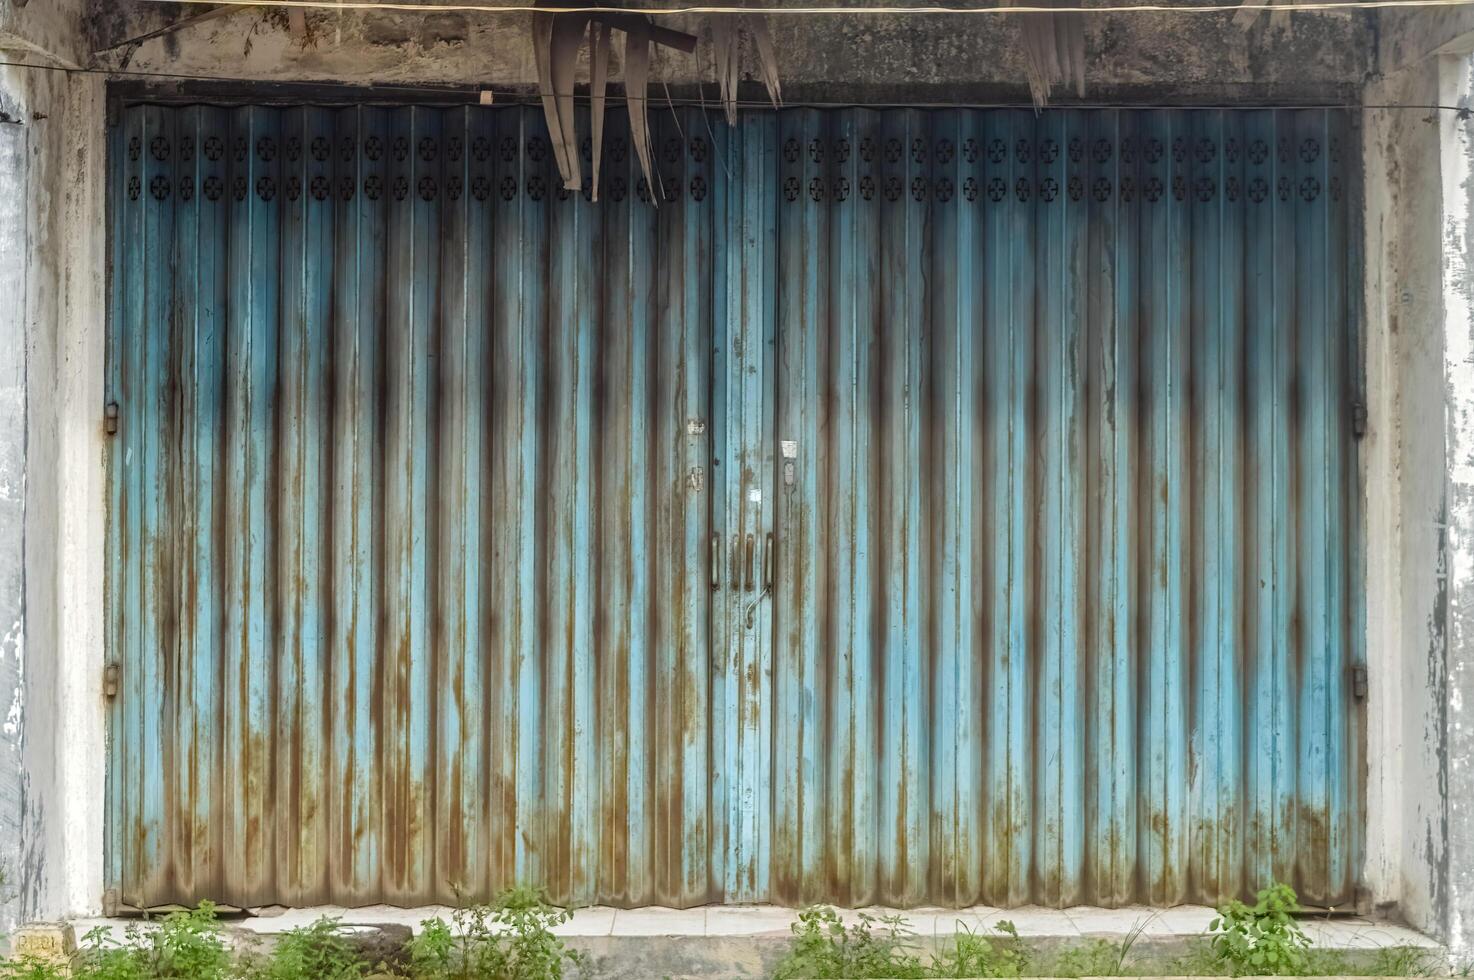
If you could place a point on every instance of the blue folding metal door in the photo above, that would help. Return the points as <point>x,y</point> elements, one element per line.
<point>906,506</point>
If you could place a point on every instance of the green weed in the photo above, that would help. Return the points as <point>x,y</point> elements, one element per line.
<point>511,940</point>
<point>1100,957</point>
<point>319,950</point>
<point>29,968</point>
<point>972,954</point>
<point>824,948</point>
<point>1406,961</point>
<point>1262,939</point>
<point>186,945</point>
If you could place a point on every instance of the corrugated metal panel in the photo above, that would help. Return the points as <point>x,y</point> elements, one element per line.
<point>437,488</point>
<point>1069,549</point>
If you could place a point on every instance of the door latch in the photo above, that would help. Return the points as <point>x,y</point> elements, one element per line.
<point>716,562</point>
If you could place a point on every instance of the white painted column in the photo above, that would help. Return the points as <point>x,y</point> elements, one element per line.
<point>52,337</point>
<point>1456,703</point>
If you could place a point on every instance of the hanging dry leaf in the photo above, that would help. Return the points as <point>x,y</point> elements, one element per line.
<point>767,58</point>
<point>1070,43</point>
<point>1041,59</point>
<point>636,89</point>
<point>725,50</point>
<point>568,33</point>
<point>1054,52</point>
<point>598,84</point>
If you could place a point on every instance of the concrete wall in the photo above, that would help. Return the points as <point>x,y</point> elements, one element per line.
<point>51,273</point>
<point>1420,352</point>
<point>1177,57</point>
<point>1404,459</point>
<point>1420,471</point>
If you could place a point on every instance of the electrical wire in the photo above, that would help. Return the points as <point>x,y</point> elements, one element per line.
<point>827,9</point>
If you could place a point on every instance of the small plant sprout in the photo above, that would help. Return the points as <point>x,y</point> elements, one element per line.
<point>1263,938</point>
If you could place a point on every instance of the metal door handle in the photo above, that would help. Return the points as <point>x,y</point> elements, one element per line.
<point>747,578</point>
<point>768,564</point>
<point>716,562</point>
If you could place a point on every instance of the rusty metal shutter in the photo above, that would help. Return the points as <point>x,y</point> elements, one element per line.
<point>914,507</point>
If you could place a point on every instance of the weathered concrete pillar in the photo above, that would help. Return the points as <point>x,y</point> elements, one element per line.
<point>1420,479</point>
<point>1453,707</point>
<point>52,331</point>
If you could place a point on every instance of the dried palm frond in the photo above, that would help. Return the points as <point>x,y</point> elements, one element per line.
<point>598,84</point>
<point>564,38</point>
<point>726,47</point>
<point>767,58</point>
<point>1054,52</point>
<point>636,91</point>
<point>726,44</point>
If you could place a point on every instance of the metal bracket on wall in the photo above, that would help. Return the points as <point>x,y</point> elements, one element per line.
<point>1358,419</point>
<point>111,681</point>
<point>1359,682</point>
<point>110,418</point>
